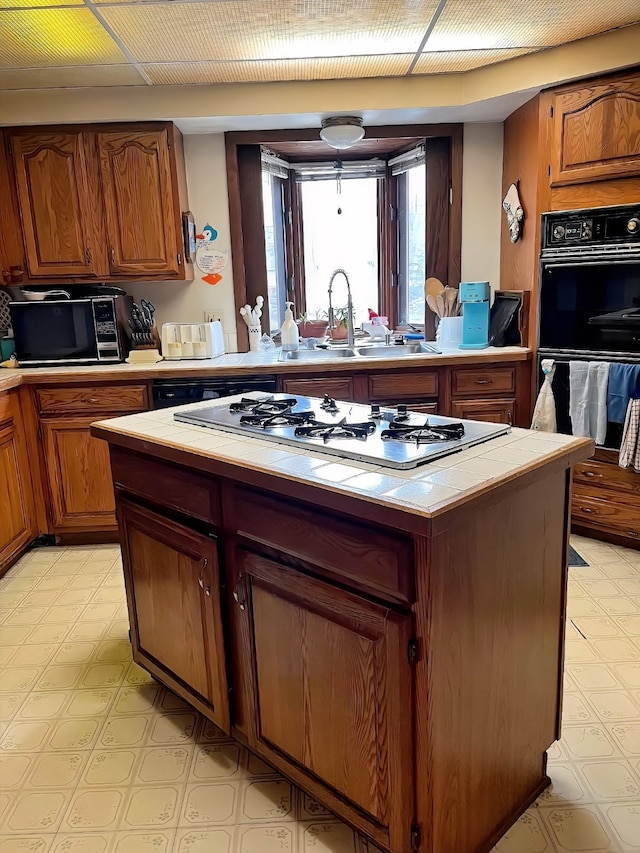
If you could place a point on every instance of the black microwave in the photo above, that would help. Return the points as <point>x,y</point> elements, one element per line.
<point>90,330</point>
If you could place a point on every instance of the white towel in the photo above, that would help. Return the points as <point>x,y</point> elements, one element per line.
<point>630,446</point>
<point>588,382</point>
<point>544,413</point>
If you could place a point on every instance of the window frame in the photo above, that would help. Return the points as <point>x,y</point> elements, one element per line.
<point>443,227</point>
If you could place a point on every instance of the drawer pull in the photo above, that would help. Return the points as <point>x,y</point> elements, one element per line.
<point>484,381</point>
<point>633,533</point>
<point>91,400</point>
<point>589,511</point>
<point>592,474</point>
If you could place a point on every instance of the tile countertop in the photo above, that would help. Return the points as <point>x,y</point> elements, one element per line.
<point>251,363</point>
<point>427,490</point>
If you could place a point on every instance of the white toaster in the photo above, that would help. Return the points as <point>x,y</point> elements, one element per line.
<point>192,340</point>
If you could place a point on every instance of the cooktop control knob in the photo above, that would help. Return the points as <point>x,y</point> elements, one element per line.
<point>586,230</point>
<point>558,232</point>
<point>633,225</point>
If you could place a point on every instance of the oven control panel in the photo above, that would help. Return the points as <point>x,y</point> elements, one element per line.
<point>596,227</point>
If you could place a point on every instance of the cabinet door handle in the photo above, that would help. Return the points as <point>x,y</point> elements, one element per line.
<point>206,589</point>
<point>238,593</point>
<point>87,255</point>
<point>484,381</point>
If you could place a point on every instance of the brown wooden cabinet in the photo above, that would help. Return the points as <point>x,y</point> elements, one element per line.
<point>77,472</point>
<point>338,387</point>
<point>494,411</point>
<point>17,514</point>
<point>596,131</point>
<point>100,201</point>
<point>142,214</point>
<point>331,677</point>
<point>57,201</point>
<point>76,465</point>
<point>173,589</point>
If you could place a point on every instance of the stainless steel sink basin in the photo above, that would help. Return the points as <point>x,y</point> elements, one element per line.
<point>395,350</point>
<point>318,354</point>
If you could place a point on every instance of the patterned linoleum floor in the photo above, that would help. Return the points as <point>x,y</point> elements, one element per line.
<point>97,758</point>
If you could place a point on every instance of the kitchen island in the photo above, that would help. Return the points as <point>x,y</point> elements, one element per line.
<point>391,641</point>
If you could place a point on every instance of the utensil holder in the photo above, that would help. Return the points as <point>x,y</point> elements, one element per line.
<point>449,332</point>
<point>255,333</point>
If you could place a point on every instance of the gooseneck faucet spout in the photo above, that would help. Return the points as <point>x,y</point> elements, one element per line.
<point>332,324</point>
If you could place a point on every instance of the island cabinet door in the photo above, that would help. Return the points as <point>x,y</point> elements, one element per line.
<point>173,593</point>
<point>333,695</point>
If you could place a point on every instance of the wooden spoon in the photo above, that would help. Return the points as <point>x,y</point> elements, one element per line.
<point>432,302</point>
<point>433,286</point>
<point>442,308</point>
<point>450,296</point>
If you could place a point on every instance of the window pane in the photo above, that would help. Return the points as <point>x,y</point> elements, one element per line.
<point>348,239</point>
<point>412,206</point>
<point>274,249</point>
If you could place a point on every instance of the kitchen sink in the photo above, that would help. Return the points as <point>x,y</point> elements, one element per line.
<point>318,354</point>
<point>395,350</point>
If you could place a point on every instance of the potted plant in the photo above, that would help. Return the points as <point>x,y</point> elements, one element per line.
<point>312,328</point>
<point>340,333</point>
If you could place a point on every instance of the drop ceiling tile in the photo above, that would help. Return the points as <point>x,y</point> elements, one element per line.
<point>493,24</point>
<point>48,37</point>
<point>75,77</point>
<point>269,29</point>
<point>278,70</point>
<point>438,62</point>
<point>21,4</point>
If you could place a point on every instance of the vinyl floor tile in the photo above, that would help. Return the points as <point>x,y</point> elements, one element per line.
<point>96,757</point>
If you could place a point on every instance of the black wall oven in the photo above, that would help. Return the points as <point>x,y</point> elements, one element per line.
<point>590,283</point>
<point>589,308</point>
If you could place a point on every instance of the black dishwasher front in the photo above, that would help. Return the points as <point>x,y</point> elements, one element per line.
<point>177,392</point>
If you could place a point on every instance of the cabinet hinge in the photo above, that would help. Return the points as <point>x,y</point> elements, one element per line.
<point>549,169</point>
<point>551,111</point>
<point>40,431</point>
<point>289,216</point>
<point>450,195</point>
<point>416,839</point>
<point>413,652</point>
<point>169,146</point>
<point>393,213</point>
<point>179,258</point>
<point>10,149</point>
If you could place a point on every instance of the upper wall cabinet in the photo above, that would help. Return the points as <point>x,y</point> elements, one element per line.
<point>101,201</point>
<point>142,217</point>
<point>57,205</point>
<point>596,131</point>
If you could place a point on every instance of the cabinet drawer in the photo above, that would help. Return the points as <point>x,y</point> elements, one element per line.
<point>167,485</point>
<point>592,512</point>
<point>338,387</point>
<point>98,398</point>
<point>493,411</point>
<point>426,408</point>
<point>371,558</point>
<point>598,476</point>
<point>402,386</point>
<point>500,380</point>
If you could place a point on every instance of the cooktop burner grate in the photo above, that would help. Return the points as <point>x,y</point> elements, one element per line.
<point>425,433</point>
<point>338,430</point>
<point>277,419</point>
<point>266,406</point>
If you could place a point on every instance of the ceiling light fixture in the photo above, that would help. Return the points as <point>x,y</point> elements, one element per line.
<point>341,131</point>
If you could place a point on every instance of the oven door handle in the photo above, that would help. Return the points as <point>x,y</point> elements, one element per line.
<point>587,262</point>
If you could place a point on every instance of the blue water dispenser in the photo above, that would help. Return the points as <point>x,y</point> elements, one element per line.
<point>475,297</point>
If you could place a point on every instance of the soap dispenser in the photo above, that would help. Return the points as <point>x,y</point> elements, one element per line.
<point>289,334</point>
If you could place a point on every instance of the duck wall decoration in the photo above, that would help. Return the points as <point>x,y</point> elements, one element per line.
<point>210,260</point>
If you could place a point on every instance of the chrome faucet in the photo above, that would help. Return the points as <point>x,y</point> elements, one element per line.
<point>332,324</point>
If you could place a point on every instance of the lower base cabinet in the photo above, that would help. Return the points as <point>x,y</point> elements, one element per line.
<point>332,686</point>
<point>17,515</point>
<point>494,411</point>
<point>173,591</point>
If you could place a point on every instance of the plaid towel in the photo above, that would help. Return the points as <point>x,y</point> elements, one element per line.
<point>630,446</point>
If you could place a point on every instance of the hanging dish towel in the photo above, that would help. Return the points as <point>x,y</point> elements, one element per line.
<point>588,399</point>
<point>630,445</point>
<point>622,381</point>
<point>544,413</point>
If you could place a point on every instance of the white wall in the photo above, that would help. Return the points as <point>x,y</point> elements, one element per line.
<point>482,202</point>
<point>208,200</point>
